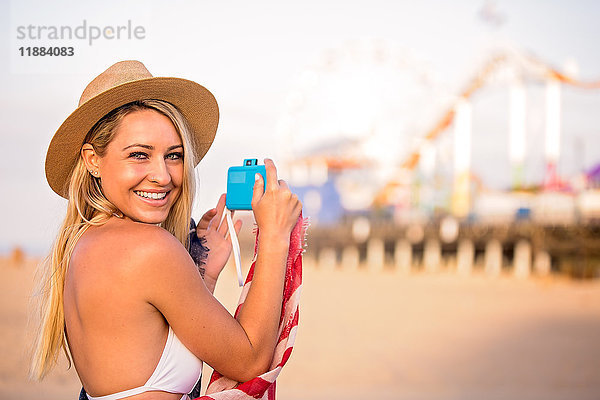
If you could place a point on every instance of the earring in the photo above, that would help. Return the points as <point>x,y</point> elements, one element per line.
<point>95,173</point>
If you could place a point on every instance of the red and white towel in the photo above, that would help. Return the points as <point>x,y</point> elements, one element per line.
<point>263,386</point>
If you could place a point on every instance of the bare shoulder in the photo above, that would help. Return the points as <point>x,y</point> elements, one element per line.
<point>126,247</point>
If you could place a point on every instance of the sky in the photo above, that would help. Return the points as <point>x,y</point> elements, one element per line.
<point>252,56</point>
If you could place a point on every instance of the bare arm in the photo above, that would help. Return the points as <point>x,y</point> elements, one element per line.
<point>239,349</point>
<point>276,212</point>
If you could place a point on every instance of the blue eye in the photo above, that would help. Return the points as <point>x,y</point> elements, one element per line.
<point>138,155</point>
<point>175,156</point>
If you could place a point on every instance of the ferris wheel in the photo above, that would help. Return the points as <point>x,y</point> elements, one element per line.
<point>371,112</point>
<point>358,110</point>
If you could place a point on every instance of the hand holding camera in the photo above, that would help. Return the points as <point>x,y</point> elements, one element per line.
<point>240,183</point>
<point>257,188</point>
<point>276,208</point>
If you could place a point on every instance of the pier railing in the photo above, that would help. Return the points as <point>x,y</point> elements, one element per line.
<point>521,249</point>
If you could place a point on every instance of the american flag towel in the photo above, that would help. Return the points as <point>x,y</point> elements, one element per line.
<point>263,386</point>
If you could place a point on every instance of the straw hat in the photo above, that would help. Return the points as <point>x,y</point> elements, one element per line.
<point>122,83</point>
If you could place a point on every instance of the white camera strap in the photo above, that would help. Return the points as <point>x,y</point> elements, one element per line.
<point>235,244</point>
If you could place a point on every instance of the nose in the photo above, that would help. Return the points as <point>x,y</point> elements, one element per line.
<point>159,173</point>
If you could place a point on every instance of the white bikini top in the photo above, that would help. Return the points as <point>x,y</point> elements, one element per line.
<point>178,371</point>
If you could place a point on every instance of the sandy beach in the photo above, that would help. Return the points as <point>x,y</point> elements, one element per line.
<point>385,335</point>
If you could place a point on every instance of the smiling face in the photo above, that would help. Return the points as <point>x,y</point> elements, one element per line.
<point>141,171</point>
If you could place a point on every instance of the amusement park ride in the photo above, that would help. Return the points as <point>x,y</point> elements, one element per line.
<point>367,161</point>
<point>388,183</point>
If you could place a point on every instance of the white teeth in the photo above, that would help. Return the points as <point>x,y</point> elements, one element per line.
<point>148,195</point>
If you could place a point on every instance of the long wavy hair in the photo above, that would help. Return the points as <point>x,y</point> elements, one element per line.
<point>87,206</point>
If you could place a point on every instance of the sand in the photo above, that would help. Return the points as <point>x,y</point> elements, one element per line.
<point>385,335</point>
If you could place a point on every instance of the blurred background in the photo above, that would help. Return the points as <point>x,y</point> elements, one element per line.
<point>447,153</point>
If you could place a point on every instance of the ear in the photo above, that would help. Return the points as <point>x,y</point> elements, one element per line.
<point>90,159</point>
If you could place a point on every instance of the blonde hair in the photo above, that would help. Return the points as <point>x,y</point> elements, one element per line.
<point>87,206</point>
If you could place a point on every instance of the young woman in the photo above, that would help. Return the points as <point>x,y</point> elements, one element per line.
<point>121,294</point>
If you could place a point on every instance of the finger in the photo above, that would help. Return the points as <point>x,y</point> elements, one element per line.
<point>205,220</point>
<point>283,184</point>
<point>216,221</point>
<point>298,208</point>
<point>272,183</point>
<point>258,190</point>
<point>224,227</point>
<point>238,226</point>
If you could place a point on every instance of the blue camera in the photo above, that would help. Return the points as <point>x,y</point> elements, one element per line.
<point>240,184</point>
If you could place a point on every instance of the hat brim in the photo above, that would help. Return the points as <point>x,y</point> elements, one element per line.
<point>195,102</point>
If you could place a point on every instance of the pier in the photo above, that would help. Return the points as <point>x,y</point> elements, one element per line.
<point>524,249</point>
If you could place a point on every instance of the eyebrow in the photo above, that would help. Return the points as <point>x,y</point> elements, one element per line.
<point>149,147</point>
